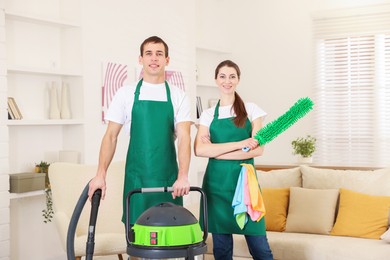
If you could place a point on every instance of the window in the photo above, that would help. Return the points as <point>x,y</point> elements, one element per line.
<point>352,87</point>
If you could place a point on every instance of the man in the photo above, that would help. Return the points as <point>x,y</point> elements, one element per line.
<point>154,113</point>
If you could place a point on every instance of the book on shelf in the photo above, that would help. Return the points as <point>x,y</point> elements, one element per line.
<point>10,115</point>
<point>199,108</point>
<point>13,109</point>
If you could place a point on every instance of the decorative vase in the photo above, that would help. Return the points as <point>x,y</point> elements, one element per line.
<point>304,160</point>
<point>54,112</point>
<point>65,109</point>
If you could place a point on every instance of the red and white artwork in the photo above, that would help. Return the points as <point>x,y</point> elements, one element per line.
<point>114,77</point>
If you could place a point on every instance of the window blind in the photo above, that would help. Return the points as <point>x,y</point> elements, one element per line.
<point>352,87</point>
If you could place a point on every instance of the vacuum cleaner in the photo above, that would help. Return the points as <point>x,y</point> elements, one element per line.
<point>166,230</point>
<point>163,231</point>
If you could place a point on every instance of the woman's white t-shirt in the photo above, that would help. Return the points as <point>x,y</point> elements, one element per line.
<point>252,109</point>
<point>121,105</point>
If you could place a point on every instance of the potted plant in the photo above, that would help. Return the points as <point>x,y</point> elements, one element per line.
<point>304,147</point>
<point>43,167</point>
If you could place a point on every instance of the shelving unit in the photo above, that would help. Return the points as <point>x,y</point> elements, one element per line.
<point>43,45</point>
<point>43,40</point>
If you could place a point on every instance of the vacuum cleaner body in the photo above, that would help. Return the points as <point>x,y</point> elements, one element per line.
<point>166,230</point>
<point>163,231</point>
<point>166,225</point>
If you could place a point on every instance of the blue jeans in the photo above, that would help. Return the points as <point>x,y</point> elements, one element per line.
<point>258,247</point>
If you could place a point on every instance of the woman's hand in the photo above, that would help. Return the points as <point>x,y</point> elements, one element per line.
<point>250,143</point>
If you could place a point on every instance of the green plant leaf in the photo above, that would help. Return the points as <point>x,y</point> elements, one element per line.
<point>304,146</point>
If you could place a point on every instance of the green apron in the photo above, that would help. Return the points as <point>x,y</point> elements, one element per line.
<point>151,156</point>
<point>220,181</point>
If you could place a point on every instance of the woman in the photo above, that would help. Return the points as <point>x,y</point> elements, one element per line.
<point>223,131</point>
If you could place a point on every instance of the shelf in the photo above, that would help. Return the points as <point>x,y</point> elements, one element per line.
<point>52,72</point>
<point>26,194</point>
<point>40,20</point>
<point>44,122</point>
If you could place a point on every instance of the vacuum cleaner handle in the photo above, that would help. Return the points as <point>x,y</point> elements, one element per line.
<point>92,223</point>
<point>166,189</point>
<point>75,218</point>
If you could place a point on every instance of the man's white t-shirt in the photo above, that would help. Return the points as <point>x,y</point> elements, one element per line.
<point>121,105</point>
<point>252,109</point>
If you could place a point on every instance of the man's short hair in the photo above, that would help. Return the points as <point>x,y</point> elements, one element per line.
<point>154,39</point>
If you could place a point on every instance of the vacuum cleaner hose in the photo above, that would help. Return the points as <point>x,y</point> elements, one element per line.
<point>92,223</point>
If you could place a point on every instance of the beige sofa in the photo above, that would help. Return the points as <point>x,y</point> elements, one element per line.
<point>317,214</point>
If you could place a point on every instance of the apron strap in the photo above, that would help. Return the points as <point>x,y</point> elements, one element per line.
<point>168,92</point>
<point>137,91</point>
<point>216,111</point>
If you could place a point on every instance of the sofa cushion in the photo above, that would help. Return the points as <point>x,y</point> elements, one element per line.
<point>361,215</point>
<point>376,182</point>
<point>280,178</point>
<point>276,204</point>
<point>311,210</point>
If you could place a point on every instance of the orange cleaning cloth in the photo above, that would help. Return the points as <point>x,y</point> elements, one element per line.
<point>256,208</point>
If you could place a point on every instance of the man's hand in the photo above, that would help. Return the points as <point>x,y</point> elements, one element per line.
<point>181,187</point>
<point>97,182</point>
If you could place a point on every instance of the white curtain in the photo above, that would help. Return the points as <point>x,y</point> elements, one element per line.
<point>352,86</point>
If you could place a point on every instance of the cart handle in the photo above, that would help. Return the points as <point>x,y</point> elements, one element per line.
<point>165,189</point>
